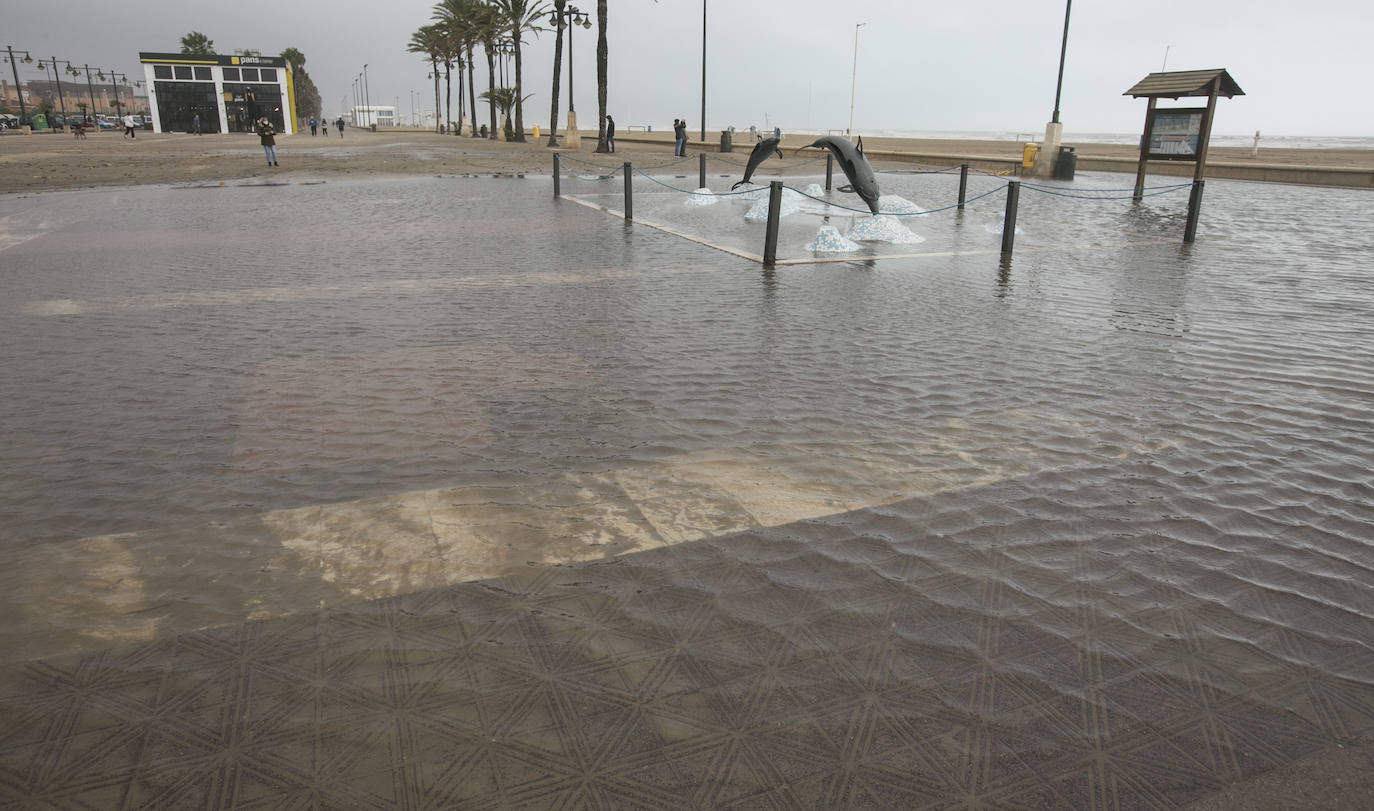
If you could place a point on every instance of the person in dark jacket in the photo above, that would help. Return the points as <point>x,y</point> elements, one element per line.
<point>680,136</point>
<point>339,122</point>
<point>610,132</point>
<point>269,140</point>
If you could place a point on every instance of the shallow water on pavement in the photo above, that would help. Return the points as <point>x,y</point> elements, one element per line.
<point>243,401</point>
<point>538,508</point>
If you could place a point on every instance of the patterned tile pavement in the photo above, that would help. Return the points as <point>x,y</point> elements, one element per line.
<point>855,661</point>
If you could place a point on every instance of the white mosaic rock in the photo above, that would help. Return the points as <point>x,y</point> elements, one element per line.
<point>815,190</point>
<point>830,240</point>
<point>883,228</point>
<point>896,204</point>
<point>702,197</point>
<point>790,204</point>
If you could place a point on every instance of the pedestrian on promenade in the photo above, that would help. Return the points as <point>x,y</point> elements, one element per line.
<point>338,122</point>
<point>269,140</point>
<point>129,125</point>
<point>195,124</point>
<point>324,126</point>
<point>314,125</point>
<point>610,132</point>
<point>680,136</point>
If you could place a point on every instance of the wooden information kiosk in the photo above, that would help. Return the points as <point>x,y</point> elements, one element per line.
<point>1180,133</point>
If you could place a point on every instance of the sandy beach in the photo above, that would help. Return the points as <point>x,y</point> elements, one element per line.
<point>45,162</point>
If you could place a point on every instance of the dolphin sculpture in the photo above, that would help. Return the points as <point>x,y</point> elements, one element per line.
<point>759,155</point>
<point>855,166</point>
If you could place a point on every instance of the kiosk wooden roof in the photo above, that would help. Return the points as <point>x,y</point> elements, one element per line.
<point>1184,83</point>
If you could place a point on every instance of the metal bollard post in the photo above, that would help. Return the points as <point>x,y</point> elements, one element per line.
<point>629,194</point>
<point>1009,221</point>
<point>963,184</point>
<point>1194,209</point>
<point>770,237</point>
<point>829,169</point>
<point>557,172</point>
<point>701,170</point>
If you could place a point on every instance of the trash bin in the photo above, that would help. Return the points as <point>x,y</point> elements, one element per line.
<point>1028,155</point>
<point>725,143</point>
<point>374,127</point>
<point>1065,163</point>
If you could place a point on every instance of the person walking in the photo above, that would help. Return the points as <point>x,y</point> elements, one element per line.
<point>129,125</point>
<point>680,131</point>
<point>269,140</point>
<point>339,123</point>
<point>314,125</point>
<point>610,132</point>
<point>195,124</point>
<point>324,126</point>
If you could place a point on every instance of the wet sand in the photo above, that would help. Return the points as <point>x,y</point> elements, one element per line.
<point>50,162</point>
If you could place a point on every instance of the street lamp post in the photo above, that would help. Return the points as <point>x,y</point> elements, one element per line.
<point>61,100</point>
<point>853,77</point>
<point>1054,131</point>
<point>19,90</point>
<point>367,99</point>
<point>1063,49</point>
<point>703,70</point>
<point>575,16</point>
<point>90,88</point>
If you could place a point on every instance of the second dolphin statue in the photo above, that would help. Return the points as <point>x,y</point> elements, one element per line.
<point>855,166</point>
<point>759,155</point>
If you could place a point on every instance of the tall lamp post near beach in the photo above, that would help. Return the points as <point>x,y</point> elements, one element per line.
<point>703,70</point>
<point>1054,131</point>
<point>18,89</point>
<point>367,100</point>
<point>571,138</point>
<point>853,76</point>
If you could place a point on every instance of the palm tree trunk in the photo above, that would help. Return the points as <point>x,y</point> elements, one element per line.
<point>601,75</point>
<point>519,102</point>
<point>448,93</point>
<point>434,60</point>
<point>557,69</point>
<point>472,95</point>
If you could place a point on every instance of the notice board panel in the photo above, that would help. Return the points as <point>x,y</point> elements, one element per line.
<point>1174,133</point>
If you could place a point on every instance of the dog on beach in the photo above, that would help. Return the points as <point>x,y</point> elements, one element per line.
<point>79,132</point>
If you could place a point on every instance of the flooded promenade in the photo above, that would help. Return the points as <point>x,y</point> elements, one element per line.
<point>440,492</point>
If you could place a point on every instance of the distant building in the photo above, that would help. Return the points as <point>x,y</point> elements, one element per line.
<point>229,93</point>
<point>381,116</point>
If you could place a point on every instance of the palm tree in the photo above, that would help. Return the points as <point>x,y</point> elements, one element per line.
<point>520,16</point>
<point>461,20</point>
<point>504,98</point>
<point>197,43</point>
<point>558,6</point>
<point>601,51</point>
<point>426,41</point>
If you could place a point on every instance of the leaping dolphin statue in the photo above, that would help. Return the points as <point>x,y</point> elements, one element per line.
<point>759,155</point>
<point>855,166</point>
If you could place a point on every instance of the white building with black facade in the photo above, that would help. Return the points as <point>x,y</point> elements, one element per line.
<point>229,93</point>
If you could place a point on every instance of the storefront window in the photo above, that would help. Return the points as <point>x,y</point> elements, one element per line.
<point>179,102</point>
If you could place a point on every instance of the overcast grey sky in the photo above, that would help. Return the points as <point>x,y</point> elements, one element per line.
<point>965,65</point>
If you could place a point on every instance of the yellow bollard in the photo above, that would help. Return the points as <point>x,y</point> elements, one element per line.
<point>1028,155</point>
<point>536,132</point>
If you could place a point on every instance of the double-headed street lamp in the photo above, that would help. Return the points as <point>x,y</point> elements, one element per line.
<point>19,90</point>
<point>61,100</point>
<point>574,15</point>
